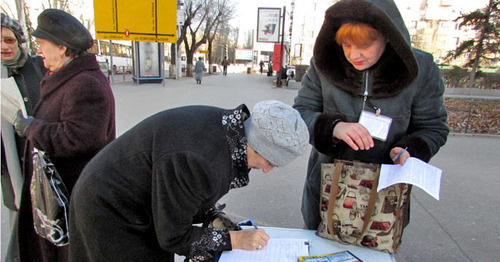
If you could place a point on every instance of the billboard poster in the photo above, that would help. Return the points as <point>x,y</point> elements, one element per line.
<point>268,24</point>
<point>149,59</point>
<point>243,54</point>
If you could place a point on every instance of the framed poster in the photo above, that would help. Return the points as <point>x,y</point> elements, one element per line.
<point>268,24</point>
<point>243,54</point>
<point>149,59</point>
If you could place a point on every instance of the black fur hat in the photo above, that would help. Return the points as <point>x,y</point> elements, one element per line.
<point>63,29</point>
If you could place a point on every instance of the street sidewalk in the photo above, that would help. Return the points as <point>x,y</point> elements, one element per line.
<point>461,226</point>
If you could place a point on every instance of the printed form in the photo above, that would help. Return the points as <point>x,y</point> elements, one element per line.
<point>415,172</point>
<point>277,249</point>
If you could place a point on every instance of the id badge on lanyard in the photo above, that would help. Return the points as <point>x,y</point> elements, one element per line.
<point>378,125</point>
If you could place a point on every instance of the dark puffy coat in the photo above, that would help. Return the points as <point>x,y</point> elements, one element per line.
<point>405,84</point>
<point>74,120</point>
<point>138,199</point>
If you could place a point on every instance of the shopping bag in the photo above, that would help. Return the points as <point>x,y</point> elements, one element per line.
<point>361,216</point>
<point>49,200</point>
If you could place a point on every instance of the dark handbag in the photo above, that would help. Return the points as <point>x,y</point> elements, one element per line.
<point>49,200</point>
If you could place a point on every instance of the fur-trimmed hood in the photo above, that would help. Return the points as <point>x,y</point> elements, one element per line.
<point>396,68</point>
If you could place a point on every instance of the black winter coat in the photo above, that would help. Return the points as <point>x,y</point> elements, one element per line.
<point>74,119</point>
<point>138,199</point>
<point>405,84</point>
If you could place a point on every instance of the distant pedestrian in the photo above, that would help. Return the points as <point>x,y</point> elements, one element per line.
<point>199,68</point>
<point>261,64</point>
<point>225,63</point>
<point>270,69</point>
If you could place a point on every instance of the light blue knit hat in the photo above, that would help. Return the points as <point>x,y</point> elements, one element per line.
<point>277,132</point>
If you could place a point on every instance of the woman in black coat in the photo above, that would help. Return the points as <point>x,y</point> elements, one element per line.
<point>27,72</point>
<point>138,199</point>
<point>74,119</point>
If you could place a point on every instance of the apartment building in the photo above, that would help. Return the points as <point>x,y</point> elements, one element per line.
<point>430,23</point>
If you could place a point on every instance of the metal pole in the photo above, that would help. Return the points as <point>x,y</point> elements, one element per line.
<point>178,57</point>
<point>278,81</point>
<point>111,61</point>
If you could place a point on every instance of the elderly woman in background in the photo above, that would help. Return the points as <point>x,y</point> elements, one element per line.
<point>72,122</point>
<point>363,65</point>
<point>199,67</point>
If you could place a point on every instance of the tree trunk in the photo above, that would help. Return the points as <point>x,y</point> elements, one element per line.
<point>189,63</point>
<point>210,57</point>
<point>173,57</point>
<point>472,76</point>
<point>480,45</point>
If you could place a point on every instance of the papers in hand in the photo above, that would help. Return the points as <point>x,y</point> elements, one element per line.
<point>277,249</point>
<point>12,100</point>
<point>415,172</point>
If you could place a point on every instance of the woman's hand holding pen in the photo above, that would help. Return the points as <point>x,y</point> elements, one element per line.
<point>354,134</point>
<point>399,155</point>
<point>250,239</point>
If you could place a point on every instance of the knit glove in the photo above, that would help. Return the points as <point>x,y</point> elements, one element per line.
<point>22,123</point>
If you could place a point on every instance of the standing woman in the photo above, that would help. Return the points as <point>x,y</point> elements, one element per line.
<point>199,68</point>
<point>74,119</point>
<point>364,64</point>
<point>27,72</point>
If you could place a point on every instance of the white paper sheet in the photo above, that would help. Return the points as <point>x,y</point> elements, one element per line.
<point>415,172</point>
<point>277,249</point>
<point>12,100</point>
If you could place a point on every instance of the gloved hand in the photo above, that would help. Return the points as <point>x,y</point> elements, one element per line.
<point>22,123</point>
<point>217,219</point>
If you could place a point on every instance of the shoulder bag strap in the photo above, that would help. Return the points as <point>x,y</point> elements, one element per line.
<point>333,194</point>
<point>371,202</point>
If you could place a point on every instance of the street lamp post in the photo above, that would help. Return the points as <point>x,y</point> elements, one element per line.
<point>278,80</point>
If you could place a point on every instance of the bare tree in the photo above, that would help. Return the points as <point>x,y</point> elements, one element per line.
<point>191,10</point>
<point>202,20</point>
<point>56,4</point>
<point>7,9</point>
<point>223,12</point>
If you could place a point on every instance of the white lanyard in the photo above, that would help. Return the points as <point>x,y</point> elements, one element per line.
<point>376,124</point>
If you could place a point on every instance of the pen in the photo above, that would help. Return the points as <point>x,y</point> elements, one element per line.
<point>399,154</point>
<point>253,223</point>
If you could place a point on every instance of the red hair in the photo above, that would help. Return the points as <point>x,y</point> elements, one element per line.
<point>358,34</point>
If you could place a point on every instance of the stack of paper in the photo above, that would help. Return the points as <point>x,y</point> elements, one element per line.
<point>277,249</point>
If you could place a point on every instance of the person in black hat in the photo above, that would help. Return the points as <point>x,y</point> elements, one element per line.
<point>74,119</point>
